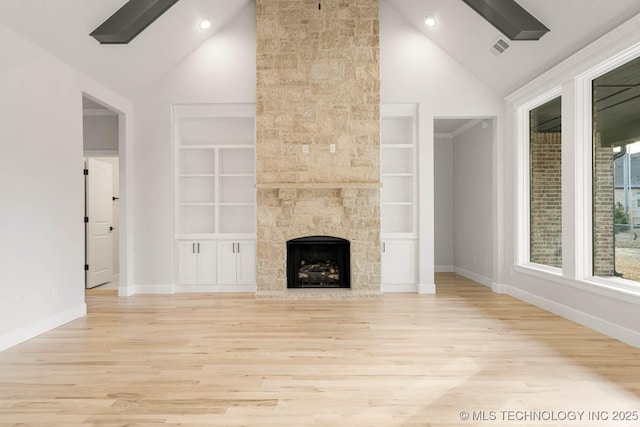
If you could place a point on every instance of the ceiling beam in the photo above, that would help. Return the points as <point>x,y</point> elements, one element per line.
<point>130,20</point>
<point>510,18</point>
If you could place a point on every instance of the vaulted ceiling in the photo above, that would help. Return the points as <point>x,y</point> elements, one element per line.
<point>467,37</point>
<point>63,26</point>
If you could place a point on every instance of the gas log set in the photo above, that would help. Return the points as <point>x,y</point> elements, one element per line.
<point>319,273</point>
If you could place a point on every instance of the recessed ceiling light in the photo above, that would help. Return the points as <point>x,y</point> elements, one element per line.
<point>430,21</point>
<point>204,24</point>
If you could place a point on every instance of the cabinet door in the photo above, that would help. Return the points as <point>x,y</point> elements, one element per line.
<point>246,262</point>
<point>206,262</point>
<point>398,262</point>
<point>187,263</point>
<point>227,262</point>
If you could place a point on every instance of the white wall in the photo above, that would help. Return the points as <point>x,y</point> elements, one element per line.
<point>415,70</point>
<point>604,306</point>
<point>443,204</point>
<point>222,70</point>
<point>42,187</point>
<point>42,243</point>
<point>472,210</point>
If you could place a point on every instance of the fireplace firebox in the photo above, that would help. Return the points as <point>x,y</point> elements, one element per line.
<point>318,262</point>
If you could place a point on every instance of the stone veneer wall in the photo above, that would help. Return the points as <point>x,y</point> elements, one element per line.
<point>318,84</point>
<point>546,199</point>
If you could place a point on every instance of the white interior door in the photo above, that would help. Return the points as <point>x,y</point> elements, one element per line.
<point>99,230</point>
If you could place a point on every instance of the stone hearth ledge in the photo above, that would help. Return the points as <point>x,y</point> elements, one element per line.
<point>318,293</point>
<point>316,185</point>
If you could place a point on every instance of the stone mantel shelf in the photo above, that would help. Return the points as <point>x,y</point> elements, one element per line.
<point>316,185</point>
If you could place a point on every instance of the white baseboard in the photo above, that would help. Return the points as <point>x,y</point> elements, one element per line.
<point>499,288</point>
<point>216,288</point>
<point>426,288</point>
<point>25,333</point>
<point>473,276</point>
<point>411,287</point>
<point>444,268</point>
<point>154,289</point>
<point>605,327</point>
<point>126,291</point>
<point>172,289</point>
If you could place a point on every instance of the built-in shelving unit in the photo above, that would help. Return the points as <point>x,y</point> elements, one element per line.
<point>398,207</point>
<point>398,167</point>
<point>215,183</point>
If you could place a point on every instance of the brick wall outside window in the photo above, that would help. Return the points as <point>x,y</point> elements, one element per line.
<point>603,201</point>
<point>546,199</point>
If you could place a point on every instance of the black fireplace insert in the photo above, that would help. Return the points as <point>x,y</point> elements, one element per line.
<point>318,262</point>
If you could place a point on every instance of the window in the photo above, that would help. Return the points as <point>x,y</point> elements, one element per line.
<point>545,184</point>
<point>616,172</point>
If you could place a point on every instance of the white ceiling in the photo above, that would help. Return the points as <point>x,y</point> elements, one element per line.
<point>63,26</point>
<point>467,36</point>
<point>88,104</point>
<point>449,126</point>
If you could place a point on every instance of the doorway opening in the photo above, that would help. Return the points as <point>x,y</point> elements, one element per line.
<point>463,197</point>
<point>101,142</point>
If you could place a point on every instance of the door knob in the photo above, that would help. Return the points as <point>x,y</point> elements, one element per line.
<point>111,228</point>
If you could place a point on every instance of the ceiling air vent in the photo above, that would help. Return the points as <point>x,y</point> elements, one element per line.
<point>499,46</point>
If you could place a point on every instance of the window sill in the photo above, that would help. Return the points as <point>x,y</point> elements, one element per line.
<point>616,288</point>
<point>629,287</point>
<point>541,272</point>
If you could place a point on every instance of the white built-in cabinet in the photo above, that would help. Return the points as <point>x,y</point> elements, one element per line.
<point>197,261</point>
<point>399,263</point>
<point>237,262</point>
<point>398,207</point>
<point>215,196</point>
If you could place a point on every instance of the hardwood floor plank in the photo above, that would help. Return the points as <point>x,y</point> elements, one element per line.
<point>231,360</point>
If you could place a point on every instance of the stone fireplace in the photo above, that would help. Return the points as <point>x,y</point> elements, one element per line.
<point>318,134</point>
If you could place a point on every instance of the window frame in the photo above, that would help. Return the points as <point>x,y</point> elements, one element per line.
<point>584,171</point>
<point>523,125</point>
<point>576,276</point>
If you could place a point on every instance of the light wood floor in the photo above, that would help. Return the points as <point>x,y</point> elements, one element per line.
<point>402,360</point>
